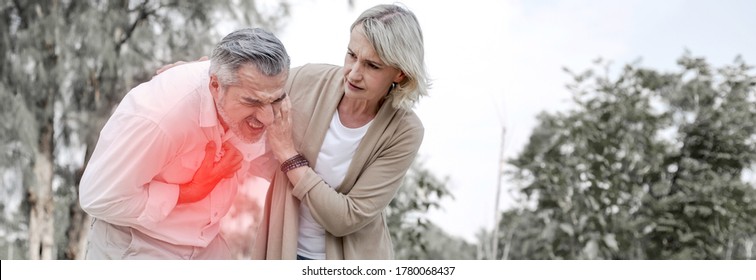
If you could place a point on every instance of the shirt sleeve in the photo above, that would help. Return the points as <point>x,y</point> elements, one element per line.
<point>343,214</point>
<point>118,184</point>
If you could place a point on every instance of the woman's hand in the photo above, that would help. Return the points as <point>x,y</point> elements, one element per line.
<point>279,132</point>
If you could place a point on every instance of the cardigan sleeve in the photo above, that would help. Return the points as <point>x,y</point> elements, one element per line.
<point>378,182</point>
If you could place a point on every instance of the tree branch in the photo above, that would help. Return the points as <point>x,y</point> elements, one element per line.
<point>24,23</point>
<point>144,13</point>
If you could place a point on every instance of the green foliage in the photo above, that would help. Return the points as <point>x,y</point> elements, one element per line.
<point>413,235</point>
<point>441,246</point>
<point>648,165</point>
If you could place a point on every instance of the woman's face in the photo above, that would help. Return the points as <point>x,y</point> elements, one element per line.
<point>366,76</point>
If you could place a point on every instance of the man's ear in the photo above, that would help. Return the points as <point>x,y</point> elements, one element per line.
<point>214,86</point>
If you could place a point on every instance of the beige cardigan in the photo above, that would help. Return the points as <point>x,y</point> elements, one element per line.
<point>352,214</point>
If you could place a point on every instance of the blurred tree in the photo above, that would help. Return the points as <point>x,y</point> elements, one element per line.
<point>441,246</point>
<point>65,65</point>
<point>410,230</point>
<point>648,165</point>
<point>523,236</point>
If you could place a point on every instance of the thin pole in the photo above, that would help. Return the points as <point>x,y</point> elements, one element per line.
<point>497,214</point>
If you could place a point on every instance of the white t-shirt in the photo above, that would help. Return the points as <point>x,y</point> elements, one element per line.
<point>335,155</point>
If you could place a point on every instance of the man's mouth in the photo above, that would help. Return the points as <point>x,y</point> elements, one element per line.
<point>254,124</point>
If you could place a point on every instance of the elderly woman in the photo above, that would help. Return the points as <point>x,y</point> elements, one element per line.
<point>345,138</point>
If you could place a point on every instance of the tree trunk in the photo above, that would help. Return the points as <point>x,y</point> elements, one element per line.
<point>78,228</point>
<point>508,245</point>
<point>41,243</point>
<point>730,246</point>
<point>77,232</point>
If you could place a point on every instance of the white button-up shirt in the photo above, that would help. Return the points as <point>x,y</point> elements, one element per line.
<point>154,141</point>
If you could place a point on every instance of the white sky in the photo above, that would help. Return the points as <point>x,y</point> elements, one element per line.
<point>497,62</point>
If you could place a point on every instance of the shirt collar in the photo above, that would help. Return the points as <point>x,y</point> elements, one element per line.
<point>208,115</point>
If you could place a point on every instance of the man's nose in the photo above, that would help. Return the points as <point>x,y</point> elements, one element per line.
<point>265,114</point>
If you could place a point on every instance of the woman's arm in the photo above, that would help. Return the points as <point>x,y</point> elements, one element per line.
<point>377,184</point>
<point>342,214</point>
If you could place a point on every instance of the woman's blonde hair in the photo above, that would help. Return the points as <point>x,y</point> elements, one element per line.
<point>395,34</point>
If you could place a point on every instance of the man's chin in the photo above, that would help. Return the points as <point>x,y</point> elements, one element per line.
<point>251,139</point>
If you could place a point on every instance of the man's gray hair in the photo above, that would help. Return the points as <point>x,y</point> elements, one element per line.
<point>253,46</point>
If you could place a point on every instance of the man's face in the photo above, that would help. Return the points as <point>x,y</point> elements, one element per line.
<point>246,108</point>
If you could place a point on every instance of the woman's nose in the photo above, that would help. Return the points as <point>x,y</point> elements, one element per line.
<point>355,72</point>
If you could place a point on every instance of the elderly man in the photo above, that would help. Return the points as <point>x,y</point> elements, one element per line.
<point>170,159</point>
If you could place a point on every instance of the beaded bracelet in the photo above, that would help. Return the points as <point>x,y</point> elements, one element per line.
<point>294,162</point>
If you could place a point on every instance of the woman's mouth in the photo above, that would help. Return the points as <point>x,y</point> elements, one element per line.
<point>352,86</point>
